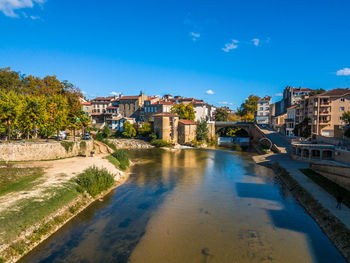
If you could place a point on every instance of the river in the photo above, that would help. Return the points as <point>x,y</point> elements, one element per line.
<point>192,206</point>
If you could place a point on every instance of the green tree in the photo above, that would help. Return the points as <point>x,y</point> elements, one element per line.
<point>220,115</point>
<point>248,108</point>
<point>9,109</point>
<point>10,80</point>
<point>129,130</point>
<point>316,92</point>
<point>202,131</point>
<point>185,112</point>
<point>106,132</point>
<point>58,113</point>
<point>145,129</point>
<point>346,119</point>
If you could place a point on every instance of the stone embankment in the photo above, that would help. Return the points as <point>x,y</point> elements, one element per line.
<point>36,151</point>
<point>131,144</point>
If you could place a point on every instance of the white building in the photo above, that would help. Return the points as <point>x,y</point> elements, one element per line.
<point>290,120</point>
<point>263,111</point>
<point>203,111</point>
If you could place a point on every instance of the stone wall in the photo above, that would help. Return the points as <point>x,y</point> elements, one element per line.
<point>34,151</point>
<point>130,144</point>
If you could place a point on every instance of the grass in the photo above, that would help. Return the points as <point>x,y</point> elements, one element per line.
<point>123,158</point>
<point>31,211</point>
<point>331,187</point>
<point>94,180</point>
<point>113,160</point>
<point>160,143</point>
<point>17,179</point>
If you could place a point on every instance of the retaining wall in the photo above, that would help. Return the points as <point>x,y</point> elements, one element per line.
<point>34,151</point>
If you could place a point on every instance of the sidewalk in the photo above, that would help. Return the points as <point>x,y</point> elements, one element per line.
<point>318,193</point>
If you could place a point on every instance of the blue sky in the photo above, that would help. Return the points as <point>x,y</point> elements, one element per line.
<point>232,48</point>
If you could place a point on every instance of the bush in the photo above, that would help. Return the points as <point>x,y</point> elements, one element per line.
<point>153,136</point>
<point>94,180</point>
<point>68,146</point>
<point>160,143</point>
<point>123,158</point>
<point>129,130</point>
<point>145,129</point>
<point>100,138</point>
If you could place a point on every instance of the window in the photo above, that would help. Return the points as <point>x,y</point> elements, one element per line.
<point>342,99</point>
<point>341,118</point>
<point>342,109</point>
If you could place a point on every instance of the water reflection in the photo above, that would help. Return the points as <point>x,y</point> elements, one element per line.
<point>192,206</point>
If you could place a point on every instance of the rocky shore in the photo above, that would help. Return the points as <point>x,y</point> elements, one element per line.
<point>131,144</point>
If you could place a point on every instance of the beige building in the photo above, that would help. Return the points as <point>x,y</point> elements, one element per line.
<point>87,108</point>
<point>156,107</point>
<point>132,106</point>
<point>165,125</point>
<point>187,131</point>
<point>324,111</point>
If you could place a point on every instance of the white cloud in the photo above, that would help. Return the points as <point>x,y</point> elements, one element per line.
<point>210,92</point>
<point>195,36</point>
<point>225,103</point>
<point>34,17</point>
<point>8,7</point>
<point>279,94</point>
<point>343,72</point>
<point>256,41</point>
<point>230,46</point>
<point>113,93</point>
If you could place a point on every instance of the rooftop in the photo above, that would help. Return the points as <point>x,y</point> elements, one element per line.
<point>187,122</point>
<point>165,114</point>
<point>335,92</point>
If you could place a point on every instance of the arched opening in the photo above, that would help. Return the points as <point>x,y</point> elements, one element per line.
<point>232,132</point>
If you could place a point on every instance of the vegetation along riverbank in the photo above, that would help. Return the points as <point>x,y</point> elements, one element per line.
<point>38,198</point>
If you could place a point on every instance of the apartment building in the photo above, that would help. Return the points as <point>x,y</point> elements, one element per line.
<point>325,111</point>
<point>263,111</point>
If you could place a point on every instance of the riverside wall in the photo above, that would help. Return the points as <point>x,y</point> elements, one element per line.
<point>35,151</point>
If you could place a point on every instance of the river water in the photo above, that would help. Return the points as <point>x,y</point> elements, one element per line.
<point>192,206</point>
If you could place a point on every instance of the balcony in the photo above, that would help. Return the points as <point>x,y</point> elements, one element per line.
<point>325,113</point>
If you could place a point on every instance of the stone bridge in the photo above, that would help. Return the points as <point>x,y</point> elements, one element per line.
<point>254,132</point>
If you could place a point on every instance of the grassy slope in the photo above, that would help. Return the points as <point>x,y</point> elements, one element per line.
<point>328,185</point>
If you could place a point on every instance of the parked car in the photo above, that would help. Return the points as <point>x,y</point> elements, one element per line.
<point>62,135</point>
<point>87,136</point>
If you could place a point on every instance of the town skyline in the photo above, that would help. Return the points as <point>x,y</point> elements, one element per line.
<point>218,53</point>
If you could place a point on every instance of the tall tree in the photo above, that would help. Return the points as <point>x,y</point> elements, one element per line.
<point>202,131</point>
<point>221,114</point>
<point>185,112</point>
<point>9,109</point>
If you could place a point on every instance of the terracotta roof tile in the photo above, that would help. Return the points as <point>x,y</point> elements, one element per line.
<point>187,122</point>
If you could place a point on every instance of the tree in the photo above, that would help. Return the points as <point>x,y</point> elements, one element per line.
<point>303,129</point>
<point>129,130</point>
<point>248,108</point>
<point>10,80</point>
<point>185,112</point>
<point>202,131</point>
<point>9,109</point>
<point>346,119</point>
<point>220,114</point>
<point>316,92</point>
<point>106,132</point>
<point>145,129</point>
<point>58,113</point>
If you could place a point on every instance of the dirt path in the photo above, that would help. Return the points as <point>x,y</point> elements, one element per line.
<point>56,173</point>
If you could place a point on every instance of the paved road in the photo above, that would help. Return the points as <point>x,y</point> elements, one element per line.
<point>278,139</point>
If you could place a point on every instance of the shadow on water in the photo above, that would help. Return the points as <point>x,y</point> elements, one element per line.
<point>289,218</point>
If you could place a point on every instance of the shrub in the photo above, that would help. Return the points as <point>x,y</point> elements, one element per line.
<point>113,161</point>
<point>129,130</point>
<point>94,180</point>
<point>145,129</point>
<point>202,131</point>
<point>153,136</point>
<point>68,146</point>
<point>160,143</point>
<point>122,157</point>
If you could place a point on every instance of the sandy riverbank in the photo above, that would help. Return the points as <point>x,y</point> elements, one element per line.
<point>56,174</point>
